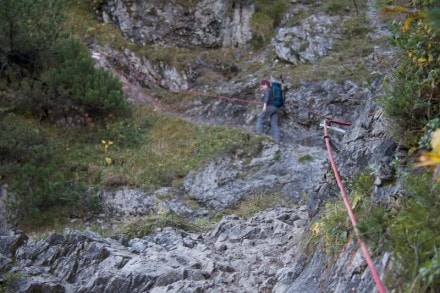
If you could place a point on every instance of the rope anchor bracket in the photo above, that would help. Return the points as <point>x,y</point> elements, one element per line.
<point>335,129</point>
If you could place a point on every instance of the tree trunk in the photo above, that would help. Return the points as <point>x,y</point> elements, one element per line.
<point>356,7</point>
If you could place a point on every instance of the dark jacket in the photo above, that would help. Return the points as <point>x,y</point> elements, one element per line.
<point>267,97</point>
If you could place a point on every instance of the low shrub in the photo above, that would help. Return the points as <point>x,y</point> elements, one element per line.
<point>414,235</point>
<point>30,165</point>
<point>73,84</point>
<point>404,106</point>
<point>412,97</point>
<point>334,227</point>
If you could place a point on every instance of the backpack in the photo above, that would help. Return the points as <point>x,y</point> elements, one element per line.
<point>277,95</point>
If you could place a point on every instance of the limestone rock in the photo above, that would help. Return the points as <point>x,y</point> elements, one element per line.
<point>208,23</point>
<point>307,41</point>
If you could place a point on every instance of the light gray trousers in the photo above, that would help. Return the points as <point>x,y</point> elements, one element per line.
<point>272,113</point>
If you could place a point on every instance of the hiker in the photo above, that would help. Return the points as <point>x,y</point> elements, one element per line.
<point>269,111</point>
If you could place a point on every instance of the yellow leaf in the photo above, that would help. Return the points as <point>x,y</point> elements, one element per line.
<point>103,141</point>
<point>421,60</point>
<point>428,159</point>
<point>410,19</point>
<point>395,9</point>
<point>435,141</point>
<point>108,160</point>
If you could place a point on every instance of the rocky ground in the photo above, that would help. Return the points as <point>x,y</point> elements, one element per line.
<point>264,253</point>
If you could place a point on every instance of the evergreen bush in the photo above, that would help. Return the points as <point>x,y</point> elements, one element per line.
<point>29,27</point>
<point>73,84</point>
<point>48,75</point>
<point>31,166</point>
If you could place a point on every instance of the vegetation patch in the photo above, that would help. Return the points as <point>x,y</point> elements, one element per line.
<point>266,17</point>
<point>412,98</point>
<point>346,60</point>
<point>334,225</point>
<point>31,164</point>
<point>411,103</point>
<point>305,158</point>
<point>145,226</point>
<point>48,75</point>
<point>145,150</point>
<point>411,230</point>
<point>246,208</point>
<point>414,235</point>
<point>8,282</point>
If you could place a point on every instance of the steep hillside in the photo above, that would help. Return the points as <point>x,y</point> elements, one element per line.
<point>188,198</point>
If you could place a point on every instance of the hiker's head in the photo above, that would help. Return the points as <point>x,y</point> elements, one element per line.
<point>265,83</point>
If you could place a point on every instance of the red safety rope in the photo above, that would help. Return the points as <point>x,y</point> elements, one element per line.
<point>142,76</point>
<point>379,285</point>
<point>195,93</point>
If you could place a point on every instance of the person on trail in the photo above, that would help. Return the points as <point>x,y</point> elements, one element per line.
<point>269,111</point>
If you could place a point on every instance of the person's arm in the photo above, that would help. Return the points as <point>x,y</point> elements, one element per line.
<point>266,99</point>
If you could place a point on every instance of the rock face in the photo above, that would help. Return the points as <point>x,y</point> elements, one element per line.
<point>277,170</point>
<point>307,41</point>
<point>238,255</point>
<point>140,70</point>
<point>208,23</point>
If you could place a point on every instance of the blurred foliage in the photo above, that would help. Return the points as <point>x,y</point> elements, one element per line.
<point>412,103</point>
<point>413,96</point>
<point>414,236</point>
<point>425,140</point>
